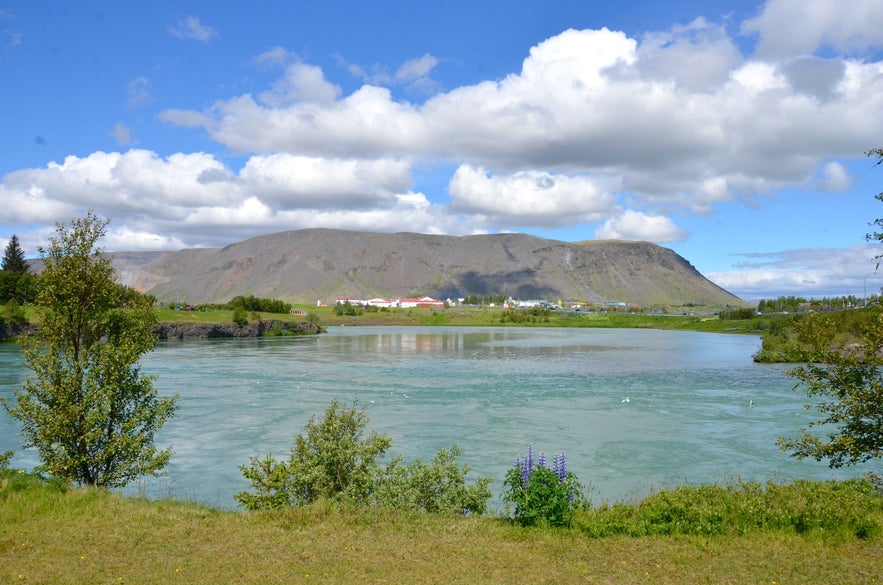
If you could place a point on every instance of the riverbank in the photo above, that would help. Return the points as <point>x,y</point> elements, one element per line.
<point>69,536</point>
<point>182,331</point>
<point>189,330</point>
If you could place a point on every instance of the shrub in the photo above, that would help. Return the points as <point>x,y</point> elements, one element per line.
<point>541,494</point>
<point>438,487</point>
<point>336,462</point>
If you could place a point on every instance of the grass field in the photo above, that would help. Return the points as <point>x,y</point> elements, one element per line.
<point>493,316</point>
<point>63,536</point>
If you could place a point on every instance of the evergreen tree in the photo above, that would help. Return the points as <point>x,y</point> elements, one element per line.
<point>14,257</point>
<point>87,409</point>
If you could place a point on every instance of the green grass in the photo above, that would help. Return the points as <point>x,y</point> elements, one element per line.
<point>50,534</point>
<point>491,316</point>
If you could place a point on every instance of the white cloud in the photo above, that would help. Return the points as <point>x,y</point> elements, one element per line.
<point>635,225</point>
<point>529,198</point>
<point>834,178</point>
<point>297,181</point>
<point>596,127</point>
<point>187,200</point>
<point>789,28</point>
<point>301,83</point>
<point>190,27</point>
<point>816,272</point>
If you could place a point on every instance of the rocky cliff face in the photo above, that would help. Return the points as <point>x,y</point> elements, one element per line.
<point>320,264</point>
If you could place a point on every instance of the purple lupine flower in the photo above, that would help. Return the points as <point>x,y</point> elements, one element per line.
<point>542,460</point>
<point>561,466</point>
<point>527,467</point>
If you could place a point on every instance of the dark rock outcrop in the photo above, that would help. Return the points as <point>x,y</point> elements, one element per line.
<point>182,331</point>
<point>13,330</point>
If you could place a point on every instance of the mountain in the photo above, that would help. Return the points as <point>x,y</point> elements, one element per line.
<point>325,264</point>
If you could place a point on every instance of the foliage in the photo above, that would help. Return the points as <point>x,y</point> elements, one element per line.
<point>792,304</point>
<point>87,409</point>
<point>852,382</point>
<point>783,341</point>
<point>849,509</point>
<point>739,314</point>
<point>239,316</point>
<point>333,461</point>
<point>543,495</point>
<point>525,316</point>
<point>13,313</point>
<point>251,303</point>
<point>14,257</point>
<point>347,309</point>
<point>336,462</point>
<point>438,487</point>
<point>876,235</point>
<point>485,300</point>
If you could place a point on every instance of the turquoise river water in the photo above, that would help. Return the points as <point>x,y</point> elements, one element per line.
<point>635,410</point>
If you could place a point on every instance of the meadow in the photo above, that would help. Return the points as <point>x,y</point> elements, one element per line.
<point>55,534</point>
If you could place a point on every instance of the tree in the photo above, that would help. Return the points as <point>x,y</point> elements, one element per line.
<point>875,235</point>
<point>14,257</point>
<point>850,375</point>
<point>16,282</point>
<point>87,409</point>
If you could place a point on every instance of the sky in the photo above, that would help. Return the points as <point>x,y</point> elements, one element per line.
<point>733,132</point>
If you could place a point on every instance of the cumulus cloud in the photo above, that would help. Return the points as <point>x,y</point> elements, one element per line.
<point>190,27</point>
<point>790,28</point>
<point>634,225</point>
<point>529,198</point>
<point>195,200</point>
<point>595,128</point>
<point>833,178</point>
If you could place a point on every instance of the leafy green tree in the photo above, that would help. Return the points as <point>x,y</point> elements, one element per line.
<point>14,257</point>
<point>851,379</point>
<point>849,375</point>
<point>87,409</point>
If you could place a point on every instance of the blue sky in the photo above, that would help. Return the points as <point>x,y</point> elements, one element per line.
<point>732,132</point>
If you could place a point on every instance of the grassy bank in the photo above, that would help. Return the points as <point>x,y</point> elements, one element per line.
<point>494,316</point>
<point>56,535</point>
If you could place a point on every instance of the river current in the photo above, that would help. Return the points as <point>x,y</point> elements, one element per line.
<point>635,410</point>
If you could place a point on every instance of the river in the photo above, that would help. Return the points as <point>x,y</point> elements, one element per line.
<point>635,410</point>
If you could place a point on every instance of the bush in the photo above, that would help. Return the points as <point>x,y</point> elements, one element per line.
<point>336,462</point>
<point>438,487</point>
<point>543,495</point>
<point>850,509</point>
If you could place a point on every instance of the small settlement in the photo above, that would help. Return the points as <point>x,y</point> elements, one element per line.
<point>394,303</point>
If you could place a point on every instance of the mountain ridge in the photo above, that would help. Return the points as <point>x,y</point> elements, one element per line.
<point>323,264</point>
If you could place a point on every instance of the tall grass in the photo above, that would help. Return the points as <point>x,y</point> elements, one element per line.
<point>53,534</point>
